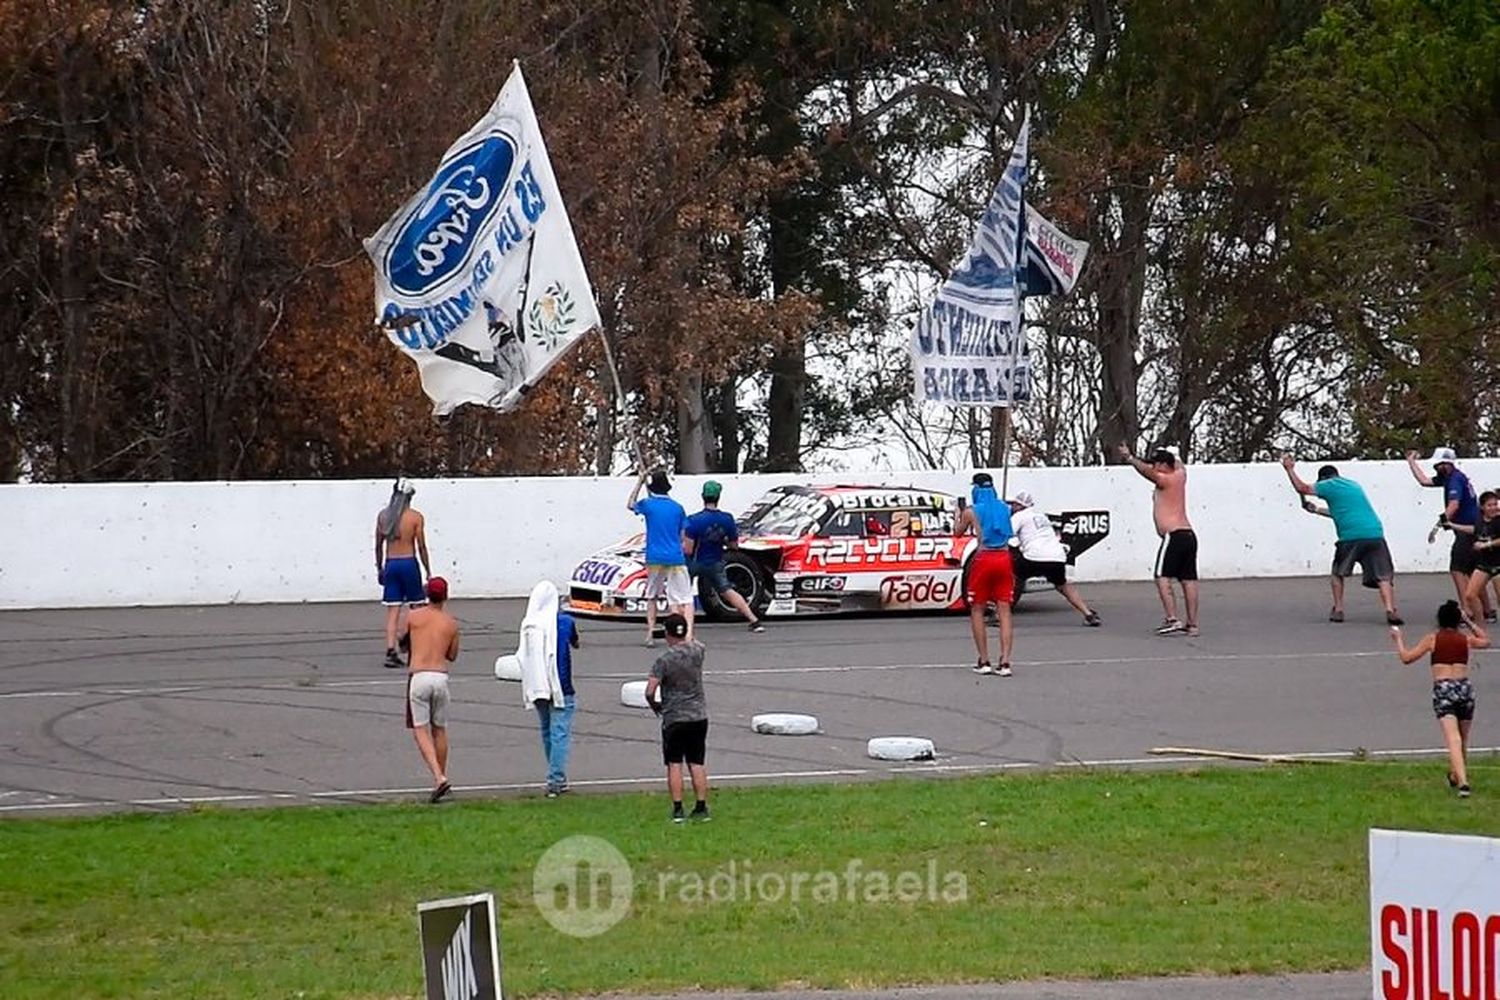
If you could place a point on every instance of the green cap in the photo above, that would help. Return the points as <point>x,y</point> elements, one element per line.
<point>711,490</point>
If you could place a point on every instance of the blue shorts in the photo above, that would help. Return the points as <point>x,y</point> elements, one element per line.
<point>713,572</point>
<point>403,582</point>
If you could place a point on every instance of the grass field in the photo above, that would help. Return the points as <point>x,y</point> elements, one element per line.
<point>1079,874</point>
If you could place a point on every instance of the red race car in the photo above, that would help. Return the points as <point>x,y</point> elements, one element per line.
<point>814,550</point>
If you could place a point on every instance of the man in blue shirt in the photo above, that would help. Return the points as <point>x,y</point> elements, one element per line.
<point>1361,536</point>
<point>709,532</point>
<point>1460,506</point>
<point>666,566</point>
<point>990,576</point>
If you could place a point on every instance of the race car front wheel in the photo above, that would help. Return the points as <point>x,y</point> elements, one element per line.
<point>745,576</point>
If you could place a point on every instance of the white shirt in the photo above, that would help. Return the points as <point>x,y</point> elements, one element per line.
<point>1037,537</point>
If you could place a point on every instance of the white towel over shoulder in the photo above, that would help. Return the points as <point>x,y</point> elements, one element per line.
<point>538,649</point>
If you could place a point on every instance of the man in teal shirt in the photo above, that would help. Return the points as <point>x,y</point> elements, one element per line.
<point>1361,537</point>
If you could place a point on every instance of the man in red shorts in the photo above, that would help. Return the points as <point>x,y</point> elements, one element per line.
<point>991,579</point>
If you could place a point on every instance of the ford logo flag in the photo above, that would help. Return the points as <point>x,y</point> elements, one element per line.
<point>478,278</point>
<point>440,236</point>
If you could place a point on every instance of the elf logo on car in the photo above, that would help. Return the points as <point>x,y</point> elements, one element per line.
<point>820,584</point>
<point>865,551</point>
<point>918,591</point>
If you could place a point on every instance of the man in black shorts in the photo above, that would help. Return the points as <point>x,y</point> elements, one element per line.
<point>678,675</point>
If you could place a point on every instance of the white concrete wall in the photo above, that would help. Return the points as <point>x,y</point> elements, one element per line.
<point>251,542</point>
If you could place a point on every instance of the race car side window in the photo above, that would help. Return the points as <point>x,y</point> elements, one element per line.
<point>844,524</point>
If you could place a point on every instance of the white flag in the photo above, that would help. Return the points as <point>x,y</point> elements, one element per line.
<point>968,348</point>
<point>1053,258</point>
<point>477,277</point>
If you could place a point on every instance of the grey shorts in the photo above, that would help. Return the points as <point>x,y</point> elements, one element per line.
<point>1372,555</point>
<point>427,698</point>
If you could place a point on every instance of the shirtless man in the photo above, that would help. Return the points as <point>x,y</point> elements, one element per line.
<point>434,644</point>
<point>1177,558</point>
<point>400,535</point>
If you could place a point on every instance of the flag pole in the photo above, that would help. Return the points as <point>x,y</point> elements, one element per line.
<point>1018,344</point>
<point>614,372</point>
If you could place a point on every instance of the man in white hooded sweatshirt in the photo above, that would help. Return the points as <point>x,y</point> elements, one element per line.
<point>548,638</point>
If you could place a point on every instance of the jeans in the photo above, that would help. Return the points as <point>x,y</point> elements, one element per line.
<point>557,733</point>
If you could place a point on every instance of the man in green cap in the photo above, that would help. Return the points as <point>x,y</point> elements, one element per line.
<point>709,532</point>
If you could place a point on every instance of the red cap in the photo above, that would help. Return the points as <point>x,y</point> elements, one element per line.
<point>437,589</point>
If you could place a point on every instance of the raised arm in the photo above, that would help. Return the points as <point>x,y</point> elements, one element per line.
<point>635,494</point>
<point>1144,468</point>
<point>1415,653</point>
<point>968,524</point>
<point>1290,465</point>
<point>1478,637</point>
<point>1416,470</point>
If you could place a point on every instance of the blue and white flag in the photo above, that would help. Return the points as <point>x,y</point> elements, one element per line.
<point>478,278</point>
<point>968,347</point>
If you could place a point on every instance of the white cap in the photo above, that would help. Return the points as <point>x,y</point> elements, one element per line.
<point>1441,455</point>
<point>1023,499</point>
<point>404,485</point>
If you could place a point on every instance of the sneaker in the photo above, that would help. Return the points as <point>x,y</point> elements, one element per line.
<point>650,643</point>
<point>1489,616</point>
<point>1092,619</point>
<point>677,816</point>
<point>393,660</point>
<point>700,811</point>
<point>1335,615</point>
<point>1170,626</point>
<point>757,627</point>
<point>1391,618</point>
<point>553,793</point>
<point>1463,791</point>
<point>983,667</point>
<point>1191,631</point>
<point>1004,670</point>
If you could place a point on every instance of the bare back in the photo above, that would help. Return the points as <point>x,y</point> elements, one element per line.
<point>434,639</point>
<point>1169,500</point>
<point>404,545</point>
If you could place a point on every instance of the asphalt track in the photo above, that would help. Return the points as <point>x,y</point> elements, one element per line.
<point>134,709</point>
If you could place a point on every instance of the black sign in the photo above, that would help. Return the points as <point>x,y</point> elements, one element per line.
<point>460,948</point>
<point>1081,530</point>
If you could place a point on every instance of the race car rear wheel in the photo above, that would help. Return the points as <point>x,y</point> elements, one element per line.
<point>747,577</point>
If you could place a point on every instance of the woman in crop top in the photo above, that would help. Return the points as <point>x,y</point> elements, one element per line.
<point>1452,694</point>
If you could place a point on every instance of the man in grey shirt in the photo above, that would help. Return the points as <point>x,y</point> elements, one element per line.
<point>677,675</point>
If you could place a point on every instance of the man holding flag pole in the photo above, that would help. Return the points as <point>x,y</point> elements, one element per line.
<point>968,346</point>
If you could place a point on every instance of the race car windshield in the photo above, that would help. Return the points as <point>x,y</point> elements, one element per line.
<point>786,513</point>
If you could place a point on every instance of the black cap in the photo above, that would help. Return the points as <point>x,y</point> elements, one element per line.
<point>659,482</point>
<point>982,479</point>
<point>675,626</point>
